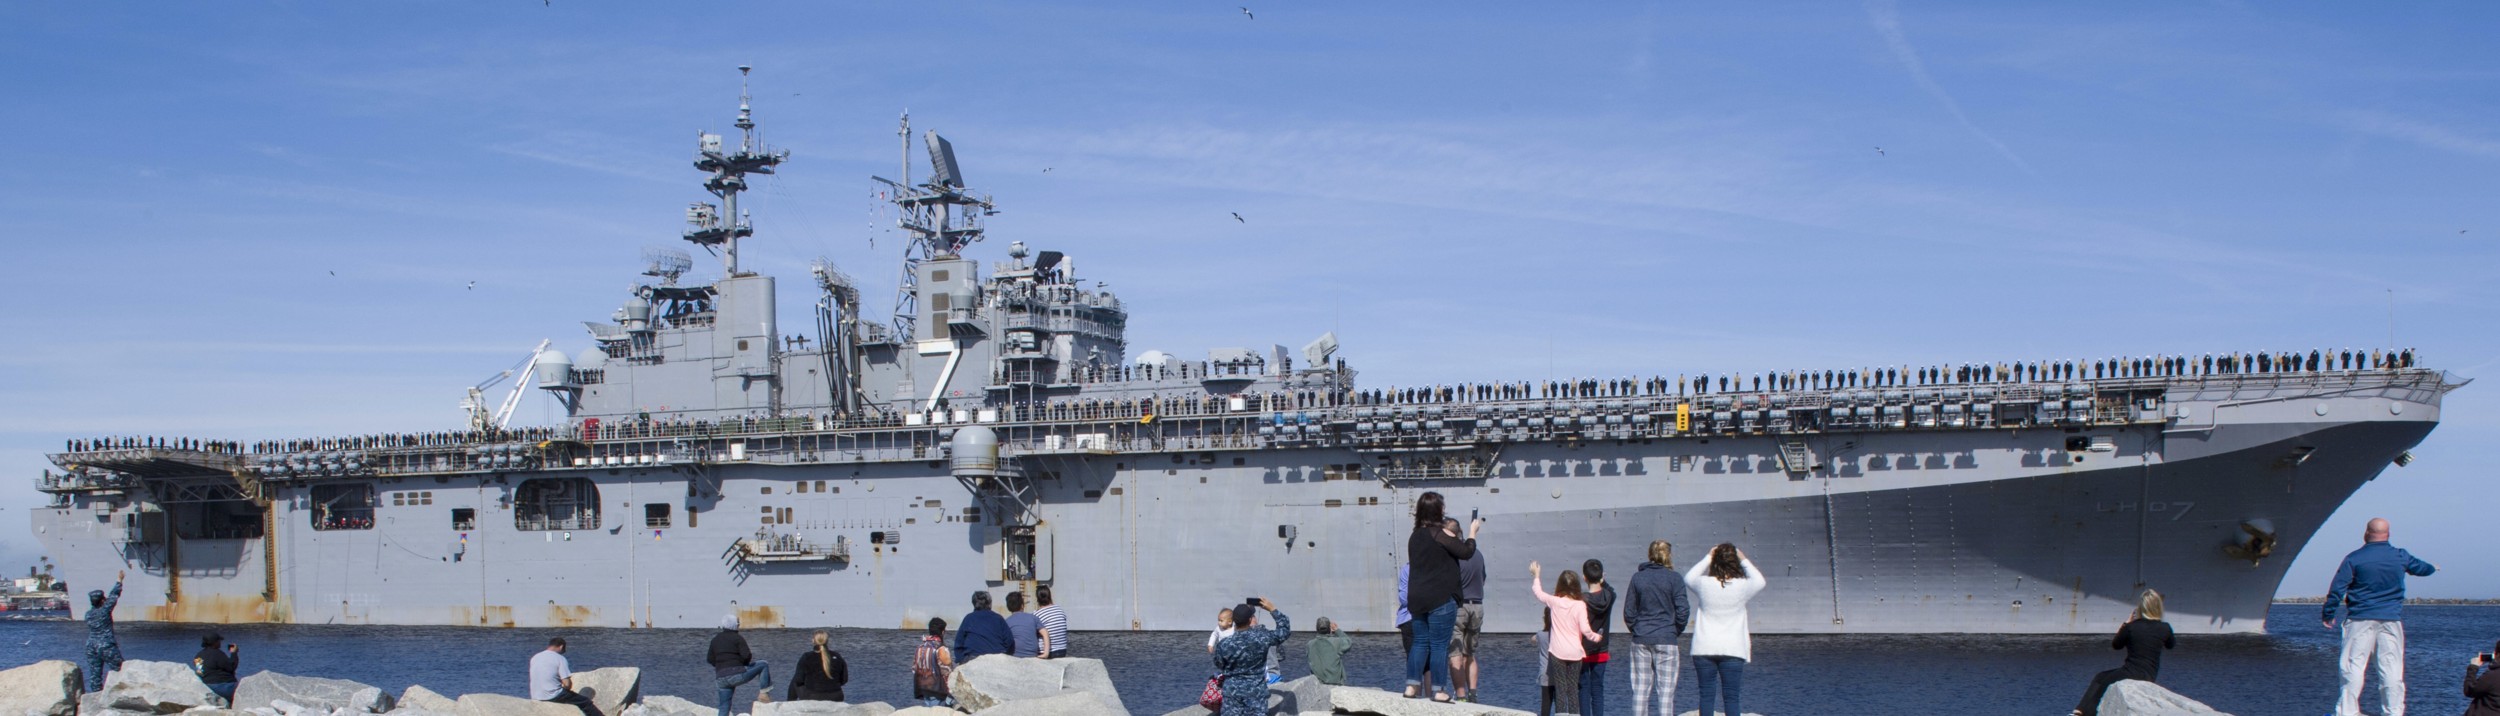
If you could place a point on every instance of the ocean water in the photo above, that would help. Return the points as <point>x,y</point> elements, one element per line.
<point>2289,671</point>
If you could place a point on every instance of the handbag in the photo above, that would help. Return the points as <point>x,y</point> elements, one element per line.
<point>1213,698</point>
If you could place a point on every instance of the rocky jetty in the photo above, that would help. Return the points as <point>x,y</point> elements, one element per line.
<point>988,686</point>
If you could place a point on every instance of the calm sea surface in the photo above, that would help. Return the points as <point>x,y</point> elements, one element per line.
<point>2290,671</point>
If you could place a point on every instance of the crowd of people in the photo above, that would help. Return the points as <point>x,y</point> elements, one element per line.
<point>1440,602</point>
<point>133,442</point>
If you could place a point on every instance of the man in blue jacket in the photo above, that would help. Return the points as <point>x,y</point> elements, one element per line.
<point>982,632</point>
<point>1657,612</point>
<point>2370,586</point>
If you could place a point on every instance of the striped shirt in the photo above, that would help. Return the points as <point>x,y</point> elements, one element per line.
<point>1055,623</point>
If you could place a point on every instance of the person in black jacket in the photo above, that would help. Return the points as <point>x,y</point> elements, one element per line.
<point>2144,637</point>
<point>215,664</point>
<point>733,666</point>
<point>1601,602</point>
<point>1432,593</point>
<point>2482,685</point>
<point>820,674</point>
<point>1656,609</point>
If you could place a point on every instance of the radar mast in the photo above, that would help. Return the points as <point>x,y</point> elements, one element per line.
<point>929,216</point>
<point>717,228</point>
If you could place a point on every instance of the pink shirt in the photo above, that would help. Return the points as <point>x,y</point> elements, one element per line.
<point>1571,623</point>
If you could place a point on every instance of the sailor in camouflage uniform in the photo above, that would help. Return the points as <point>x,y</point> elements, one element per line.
<point>104,653</point>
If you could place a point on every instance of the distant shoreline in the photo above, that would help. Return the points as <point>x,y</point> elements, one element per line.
<point>2432,601</point>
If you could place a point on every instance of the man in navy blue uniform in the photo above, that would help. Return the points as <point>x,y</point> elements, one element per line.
<point>2370,587</point>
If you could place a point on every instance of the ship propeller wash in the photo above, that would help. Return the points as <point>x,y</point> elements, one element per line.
<point>995,432</point>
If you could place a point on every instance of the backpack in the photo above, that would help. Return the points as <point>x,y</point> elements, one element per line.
<point>928,677</point>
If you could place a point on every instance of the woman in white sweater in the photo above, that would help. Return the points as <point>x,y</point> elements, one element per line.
<point>1722,635</point>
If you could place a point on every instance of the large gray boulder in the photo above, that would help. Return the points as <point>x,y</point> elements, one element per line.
<point>2145,698</point>
<point>314,694</point>
<point>926,711</point>
<point>1190,710</point>
<point>43,688</point>
<point>673,706</point>
<point>1353,700</point>
<point>501,705</point>
<point>419,698</point>
<point>610,689</point>
<point>1068,703</point>
<point>996,679</point>
<point>1301,695</point>
<point>822,708</point>
<point>156,687</point>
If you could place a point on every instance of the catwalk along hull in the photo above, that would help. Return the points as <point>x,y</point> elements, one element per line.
<point>2043,529</point>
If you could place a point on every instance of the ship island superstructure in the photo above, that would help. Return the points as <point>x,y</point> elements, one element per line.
<point>994,432</point>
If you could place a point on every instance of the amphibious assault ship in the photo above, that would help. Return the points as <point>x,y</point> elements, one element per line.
<point>995,432</point>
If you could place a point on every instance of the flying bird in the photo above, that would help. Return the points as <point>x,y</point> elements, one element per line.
<point>1045,170</point>
<point>1237,217</point>
<point>472,285</point>
<point>1879,151</point>
<point>334,273</point>
<point>1245,12</point>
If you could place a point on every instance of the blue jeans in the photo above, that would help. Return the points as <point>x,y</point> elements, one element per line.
<point>1593,688</point>
<point>1715,673</point>
<point>1432,646</point>
<point>223,691</point>
<point>729,684</point>
<point>937,702</point>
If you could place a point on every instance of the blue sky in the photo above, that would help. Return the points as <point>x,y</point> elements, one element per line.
<point>1462,191</point>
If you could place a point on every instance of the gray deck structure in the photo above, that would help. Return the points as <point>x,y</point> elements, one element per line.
<point>994,433</point>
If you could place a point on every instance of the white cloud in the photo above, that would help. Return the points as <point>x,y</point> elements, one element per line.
<point>2429,135</point>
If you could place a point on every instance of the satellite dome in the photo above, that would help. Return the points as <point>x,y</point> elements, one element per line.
<point>974,451</point>
<point>1154,358</point>
<point>554,370</point>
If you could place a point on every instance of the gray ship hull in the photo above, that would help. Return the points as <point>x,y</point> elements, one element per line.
<point>2002,531</point>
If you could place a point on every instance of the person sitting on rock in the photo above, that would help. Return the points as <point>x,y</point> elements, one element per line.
<point>2143,636</point>
<point>551,679</point>
<point>982,632</point>
<point>1327,653</point>
<point>215,664</point>
<point>930,663</point>
<point>821,673</point>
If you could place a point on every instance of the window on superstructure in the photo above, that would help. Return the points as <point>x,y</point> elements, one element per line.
<point>463,519</point>
<point>655,515</point>
<point>342,507</point>
<point>556,503</point>
<point>820,486</point>
<point>802,488</point>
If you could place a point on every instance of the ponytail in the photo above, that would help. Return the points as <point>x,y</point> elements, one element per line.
<point>824,661</point>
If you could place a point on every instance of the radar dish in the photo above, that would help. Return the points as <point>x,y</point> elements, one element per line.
<point>665,264</point>
<point>942,167</point>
